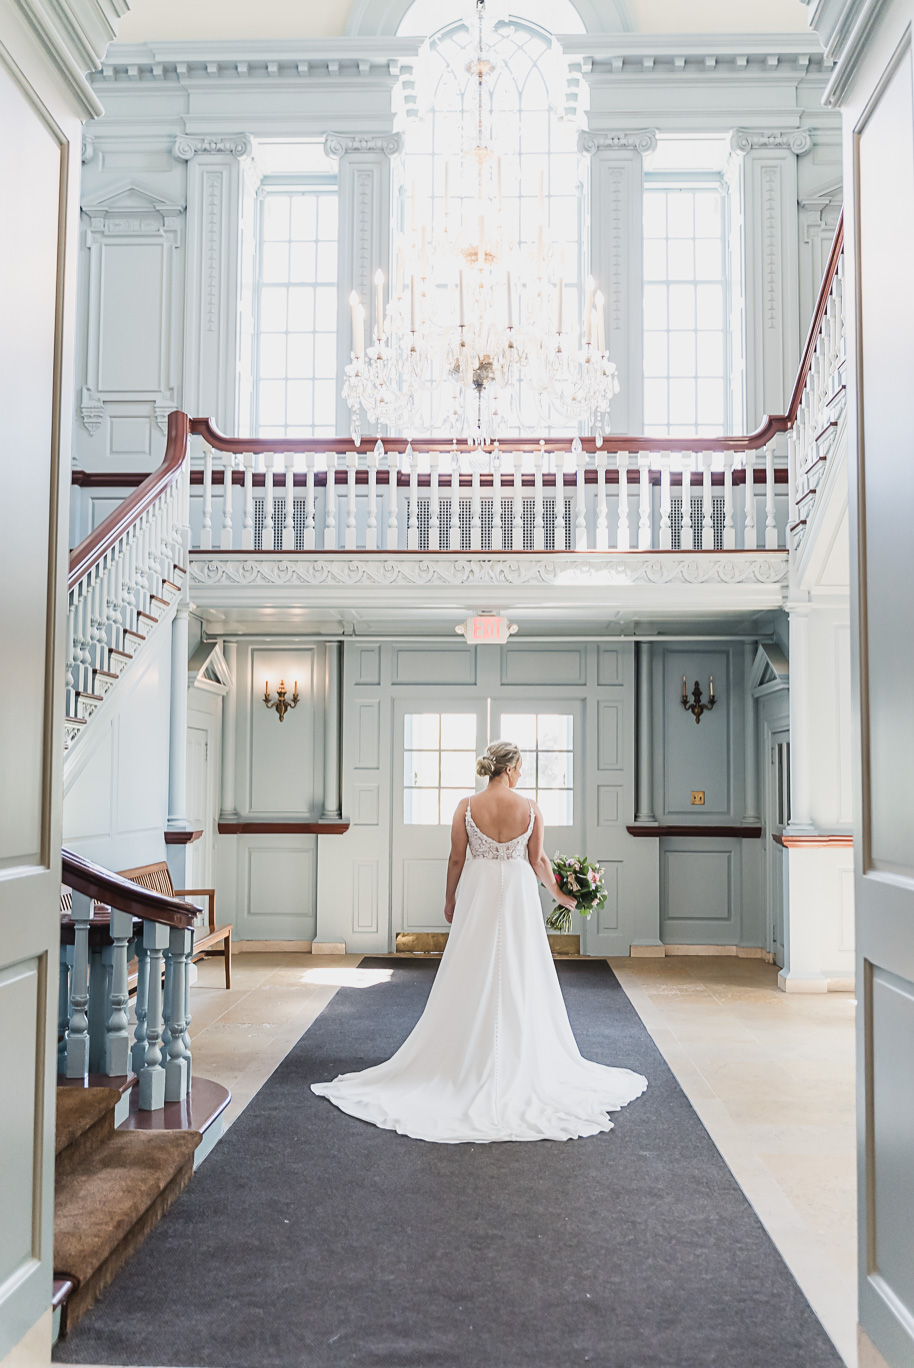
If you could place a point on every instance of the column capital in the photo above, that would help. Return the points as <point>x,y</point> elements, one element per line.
<point>337,145</point>
<point>237,145</point>
<point>641,140</point>
<point>795,140</point>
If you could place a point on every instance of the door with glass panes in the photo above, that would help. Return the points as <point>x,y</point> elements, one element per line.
<point>548,733</point>
<point>434,767</point>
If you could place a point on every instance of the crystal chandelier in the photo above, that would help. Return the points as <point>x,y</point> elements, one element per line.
<point>474,316</point>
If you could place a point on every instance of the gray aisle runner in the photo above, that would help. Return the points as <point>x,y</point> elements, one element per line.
<point>311,1240</point>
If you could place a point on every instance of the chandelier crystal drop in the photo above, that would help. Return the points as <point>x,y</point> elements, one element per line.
<point>473,315</point>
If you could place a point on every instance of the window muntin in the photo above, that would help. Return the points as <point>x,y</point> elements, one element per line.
<point>439,765</point>
<point>296,389</point>
<point>531,141</point>
<point>685,307</point>
<point>546,741</point>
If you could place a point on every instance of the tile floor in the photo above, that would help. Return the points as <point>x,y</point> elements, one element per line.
<point>770,1075</point>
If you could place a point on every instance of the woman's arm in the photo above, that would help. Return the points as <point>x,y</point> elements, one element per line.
<point>542,865</point>
<point>456,859</point>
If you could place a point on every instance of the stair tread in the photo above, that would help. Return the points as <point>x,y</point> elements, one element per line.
<point>78,1109</point>
<point>99,1203</point>
<point>76,721</point>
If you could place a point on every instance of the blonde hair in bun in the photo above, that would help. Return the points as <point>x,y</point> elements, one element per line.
<point>499,757</point>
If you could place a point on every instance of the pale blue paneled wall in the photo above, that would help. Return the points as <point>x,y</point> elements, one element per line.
<point>710,886</point>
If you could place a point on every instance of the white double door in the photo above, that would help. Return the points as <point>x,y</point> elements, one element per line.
<point>435,750</point>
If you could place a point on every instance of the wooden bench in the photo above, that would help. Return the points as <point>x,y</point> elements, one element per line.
<point>157,877</point>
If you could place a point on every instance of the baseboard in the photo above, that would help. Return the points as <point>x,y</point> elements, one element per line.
<point>34,1349</point>
<point>731,951</point>
<point>814,983</point>
<point>270,947</point>
<point>328,947</point>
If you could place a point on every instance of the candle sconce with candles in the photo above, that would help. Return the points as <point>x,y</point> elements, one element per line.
<point>696,707</point>
<point>281,703</point>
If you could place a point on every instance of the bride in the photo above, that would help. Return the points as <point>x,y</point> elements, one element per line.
<point>493,1056</point>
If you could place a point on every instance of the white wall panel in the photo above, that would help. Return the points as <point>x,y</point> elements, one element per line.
<point>423,893</point>
<point>609,730</point>
<point>282,754</point>
<point>609,801</point>
<point>367,733</point>
<point>563,665</point>
<point>699,892</point>
<point>435,665</point>
<point>20,1021</point>
<point>280,883</point>
<point>366,804</point>
<point>365,897</point>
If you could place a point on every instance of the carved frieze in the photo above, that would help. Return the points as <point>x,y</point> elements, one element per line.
<point>495,571</point>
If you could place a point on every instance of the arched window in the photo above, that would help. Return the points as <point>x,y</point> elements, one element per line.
<point>537,150</point>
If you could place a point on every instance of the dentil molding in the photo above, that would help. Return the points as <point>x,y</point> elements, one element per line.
<point>796,140</point>
<point>642,140</point>
<point>480,571</point>
<point>336,145</point>
<point>237,145</point>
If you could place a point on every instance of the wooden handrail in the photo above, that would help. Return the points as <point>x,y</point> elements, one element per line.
<point>107,887</point>
<point>770,426</point>
<point>89,552</point>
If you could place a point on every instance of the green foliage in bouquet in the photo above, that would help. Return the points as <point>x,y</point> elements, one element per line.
<point>581,880</point>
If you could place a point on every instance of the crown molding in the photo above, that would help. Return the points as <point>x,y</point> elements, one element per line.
<point>258,60</point>
<point>714,56</point>
<point>75,35</point>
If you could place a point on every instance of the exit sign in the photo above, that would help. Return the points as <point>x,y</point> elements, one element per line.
<point>489,629</point>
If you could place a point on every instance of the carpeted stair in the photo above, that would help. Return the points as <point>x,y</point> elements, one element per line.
<point>112,1187</point>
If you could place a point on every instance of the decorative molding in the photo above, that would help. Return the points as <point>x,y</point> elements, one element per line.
<point>641,140</point>
<point>251,62</point>
<point>338,145</point>
<point>771,224</point>
<point>75,35</point>
<point>238,145</point>
<point>161,412</point>
<point>796,140</point>
<point>616,280</point>
<point>212,216</point>
<point>467,571</point>
<point>91,410</point>
<point>182,837</point>
<point>88,149</point>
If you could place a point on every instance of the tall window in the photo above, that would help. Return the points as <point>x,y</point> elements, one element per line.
<point>535,148</point>
<point>686,371</point>
<point>296,302</point>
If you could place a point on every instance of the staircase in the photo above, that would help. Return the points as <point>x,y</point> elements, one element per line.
<point>112,1187</point>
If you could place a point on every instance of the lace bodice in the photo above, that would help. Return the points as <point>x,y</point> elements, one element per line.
<point>482,847</point>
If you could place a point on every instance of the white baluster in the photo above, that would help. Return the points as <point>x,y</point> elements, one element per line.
<point>434,509</point>
<point>412,516</point>
<point>330,504</point>
<point>288,526</point>
<point>580,524</point>
<point>602,534</point>
<point>176,1067</point>
<point>117,1036</point>
<point>749,535</point>
<point>476,514</point>
<point>666,527</point>
<point>206,531</point>
<point>78,1029</point>
<point>729,530</point>
<point>371,531</point>
<point>268,542</point>
<point>623,536</point>
<point>791,487</point>
<point>685,541</point>
<point>498,532</point>
<point>309,538</point>
<point>351,463</point>
<point>454,535</point>
<point>228,465</point>
<point>71,650</point>
<point>644,501</point>
<point>152,1074</point>
<point>517,503</point>
<point>539,540</point>
<point>771,527</point>
<point>247,530</point>
<point>559,459</point>
<point>707,520</point>
<point>393,530</point>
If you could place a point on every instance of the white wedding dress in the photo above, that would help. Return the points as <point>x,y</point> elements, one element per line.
<point>493,1056</point>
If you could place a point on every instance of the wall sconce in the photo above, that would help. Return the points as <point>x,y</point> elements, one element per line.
<point>696,707</point>
<point>280,703</point>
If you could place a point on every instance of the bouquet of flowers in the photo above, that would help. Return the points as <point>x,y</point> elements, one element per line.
<point>582,881</point>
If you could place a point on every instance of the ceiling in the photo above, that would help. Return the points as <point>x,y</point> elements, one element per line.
<point>162,20</point>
